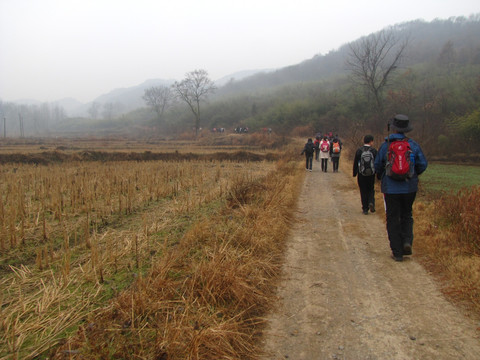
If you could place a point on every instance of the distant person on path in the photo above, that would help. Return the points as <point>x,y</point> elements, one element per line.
<point>399,162</point>
<point>308,150</point>
<point>324,152</point>
<point>364,169</point>
<point>317,147</point>
<point>335,150</point>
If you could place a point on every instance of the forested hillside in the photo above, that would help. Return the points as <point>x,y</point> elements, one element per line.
<point>436,81</point>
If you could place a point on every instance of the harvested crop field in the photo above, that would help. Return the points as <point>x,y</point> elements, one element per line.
<point>85,232</point>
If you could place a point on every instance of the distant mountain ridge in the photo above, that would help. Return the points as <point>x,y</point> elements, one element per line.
<point>130,98</point>
<point>126,99</point>
<point>240,75</point>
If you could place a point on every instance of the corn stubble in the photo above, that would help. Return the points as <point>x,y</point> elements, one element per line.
<point>158,260</point>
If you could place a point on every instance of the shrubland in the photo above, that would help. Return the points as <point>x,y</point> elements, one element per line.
<point>448,242</point>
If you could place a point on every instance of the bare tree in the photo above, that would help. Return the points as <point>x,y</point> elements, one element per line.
<point>159,98</point>
<point>111,109</point>
<point>93,110</point>
<point>193,89</point>
<point>44,115</point>
<point>447,57</point>
<point>108,110</point>
<point>373,59</point>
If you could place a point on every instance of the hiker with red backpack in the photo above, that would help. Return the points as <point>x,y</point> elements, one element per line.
<point>398,163</point>
<point>335,149</point>
<point>364,169</point>
<point>324,152</point>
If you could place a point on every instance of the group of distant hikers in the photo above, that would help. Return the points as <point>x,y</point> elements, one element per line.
<point>397,164</point>
<point>325,147</point>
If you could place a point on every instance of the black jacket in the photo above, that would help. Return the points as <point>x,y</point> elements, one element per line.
<point>358,154</point>
<point>309,149</point>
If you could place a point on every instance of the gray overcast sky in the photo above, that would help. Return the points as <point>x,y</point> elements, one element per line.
<point>52,49</point>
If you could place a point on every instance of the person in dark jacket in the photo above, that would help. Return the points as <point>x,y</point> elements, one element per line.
<point>399,195</point>
<point>316,143</point>
<point>335,149</point>
<point>364,169</point>
<point>308,150</point>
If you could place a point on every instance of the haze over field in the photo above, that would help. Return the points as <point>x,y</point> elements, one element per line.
<point>53,49</point>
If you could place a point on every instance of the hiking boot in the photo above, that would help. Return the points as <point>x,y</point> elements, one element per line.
<point>371,207</point>
<point>407,249</point>
<point>397,258</point>
<point>365,212</point>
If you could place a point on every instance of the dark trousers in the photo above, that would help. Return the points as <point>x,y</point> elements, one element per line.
<point>399,220</point>
<point>324,164</point>
<point>366,185</point>
<point>317,151</point>
<point>308,161</point>
<point>335,161</point>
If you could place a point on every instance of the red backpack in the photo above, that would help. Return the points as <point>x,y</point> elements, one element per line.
<point>399,160</point>
<point>324,146</point>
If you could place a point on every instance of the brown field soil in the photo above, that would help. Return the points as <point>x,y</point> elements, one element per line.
<point>49,157</point>
<point>48,151</point>
<point>205,144</point>
<point>341,295</point>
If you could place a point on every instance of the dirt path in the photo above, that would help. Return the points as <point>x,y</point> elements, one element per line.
<point>342,297</point>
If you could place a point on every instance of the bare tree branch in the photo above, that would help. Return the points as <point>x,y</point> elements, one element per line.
<point>159,98</point>
<point>193,89</point>
<point>373,59</point>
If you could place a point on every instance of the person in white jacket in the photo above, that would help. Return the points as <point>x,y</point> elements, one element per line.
<point>324,152</point>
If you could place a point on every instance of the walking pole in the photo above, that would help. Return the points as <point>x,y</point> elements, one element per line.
<point>388,147</point>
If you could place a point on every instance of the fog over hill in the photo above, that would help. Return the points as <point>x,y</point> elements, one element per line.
<point>130,98</point>
<point>239,75</point>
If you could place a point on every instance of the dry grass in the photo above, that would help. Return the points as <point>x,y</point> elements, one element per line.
<point>205,298</point>
<point>448,233</point>
<point>133,256</point>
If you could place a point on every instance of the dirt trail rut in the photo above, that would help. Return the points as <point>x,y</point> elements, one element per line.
<point>342,297</point>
